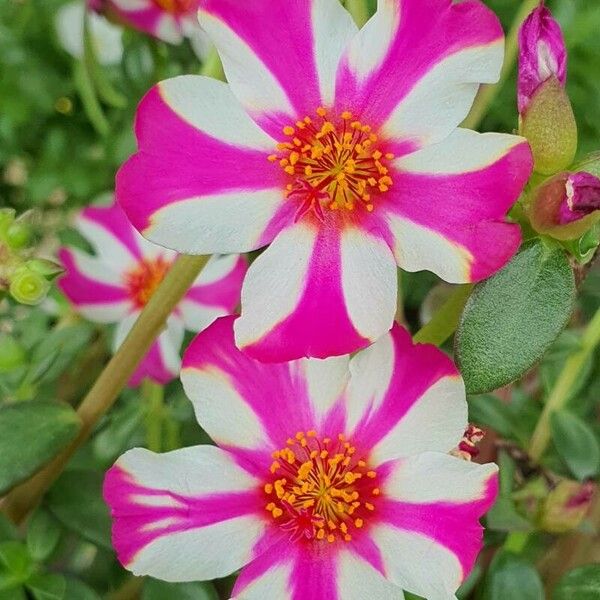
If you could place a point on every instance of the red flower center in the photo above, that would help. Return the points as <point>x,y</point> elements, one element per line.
<point>320,489</point>
<point>177,7</point>
<point>143,280</point>
<point>333,162</point>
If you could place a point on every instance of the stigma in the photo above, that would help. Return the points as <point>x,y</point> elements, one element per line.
<point>333,163</point>
<point>320,490</point>
<point>143,280</point>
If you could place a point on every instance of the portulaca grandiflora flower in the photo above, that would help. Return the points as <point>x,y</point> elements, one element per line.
<point>341,149</point>
<point>115,284</point>
<point>167,20</point>
<point>332,478</point>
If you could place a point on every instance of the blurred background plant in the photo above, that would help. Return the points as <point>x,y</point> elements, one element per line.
<point>67,104</point>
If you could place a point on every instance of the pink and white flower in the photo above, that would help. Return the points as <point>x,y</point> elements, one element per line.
<point>167,20</point>
<point>332,479</point>
<point>114,285</point>
<point>542,54</point>
<point>341,149</point>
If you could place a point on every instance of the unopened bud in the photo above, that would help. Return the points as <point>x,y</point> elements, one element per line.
<point>46,268</point>
<point>566,206</point>
<point>12,354</point>
<point>28,287</point>
<point>546,115</point>
<point>18,235</point>
<point>7,217</point>
<point>566,506</point>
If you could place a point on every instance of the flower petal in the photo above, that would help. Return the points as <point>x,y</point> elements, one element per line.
<point>404,399</point>
<point>415,67</point>
<point>94,290</point>
<point>216,291</point>
<point>280,58</point>
<point>169,508</point>
<point>446,213</point>
<point>317,292</point>
<point>147,16</point>
<point>430,515</point>
<point>162,362</point>
<point>201,182</point>
<point>251,407</point>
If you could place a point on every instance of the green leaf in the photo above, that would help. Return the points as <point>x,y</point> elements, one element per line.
<point>47,586</point>
<point>43,533</point>
<point>503,516</point>
<point>490,411</point>
<point>31,434</point>
<point>512,578</point>
<point>511,319</point>
<point>159,590</point>
<point>78,589</point>
<point>582,583</point>
<point>576,443</point>
<point>76,501</point>
<point>15,562</point>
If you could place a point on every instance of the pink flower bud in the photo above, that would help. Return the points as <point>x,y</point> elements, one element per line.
<point>567,205</point>
<point>566,506</point>
<point>96,5</point>
<point>542,54</point>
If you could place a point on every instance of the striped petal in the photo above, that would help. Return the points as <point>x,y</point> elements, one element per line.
<point>95,291</point>
<point>446,212</point>
<point>201,182</point>
<point>404,399</point>
<point>280,58</point>
<point>149,17</point>
<point>415,67</point>
<point>430,516</point>
<point>319,292</point>
<point>216,292</point>
<point>169,508</point>
<point>251,407</point>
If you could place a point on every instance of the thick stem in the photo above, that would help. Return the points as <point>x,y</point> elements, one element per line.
<point>444,322</point>
<point>153,394</point>
<point>359,10</point>
<point>487,93</point>
<point>111,381</point>
<point>562,388</point>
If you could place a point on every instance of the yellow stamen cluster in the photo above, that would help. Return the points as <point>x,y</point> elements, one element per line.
<point>143,280</point>
<point>320,489</point>
<point>334,161</point>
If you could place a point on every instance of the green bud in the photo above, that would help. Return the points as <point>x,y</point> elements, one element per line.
<point>46,268</point>
<point>12,354</point>
<point>566,506</point>
<point>7,217</point>
<point>18,235</point>
<point>550,128</point>
<point>28,287</point>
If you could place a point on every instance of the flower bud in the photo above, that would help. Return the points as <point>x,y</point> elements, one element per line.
<point>18,235</point>
<point>567,205</point>
<point>546,115</point>
<point>12,354</point>
<point>7,217</point>
<point>566,506</point>
<point>46,268</point>
<point>28,287</point>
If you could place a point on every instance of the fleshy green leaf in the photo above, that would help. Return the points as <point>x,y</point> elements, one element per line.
<point>158,590</point>
<point>31,434</point>
<point>43,533</point>
<point>15,562</point>
<point>582,583</point>
<point>576,443</point>
<point>47,586</point>
<point>76,501</point>
<point>78,589</point>
<point>511,319</point>
<point>512,578</point>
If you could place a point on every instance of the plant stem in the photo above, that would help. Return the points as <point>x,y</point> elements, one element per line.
<point>111,381</point>
<point>562,388</point>
<point>444,322</point>
<point>153,394</point>
<point>359,10</point>
<point>487,93</point>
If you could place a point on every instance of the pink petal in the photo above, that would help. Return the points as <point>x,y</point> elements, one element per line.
<point>147,16</point>
<point>200,182</point>
<point>416,66</point>
<point>404,399</point>
<point>446,211</point>
<point>302,297</point>
<point>280,57</point>
<point>169,508</point>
